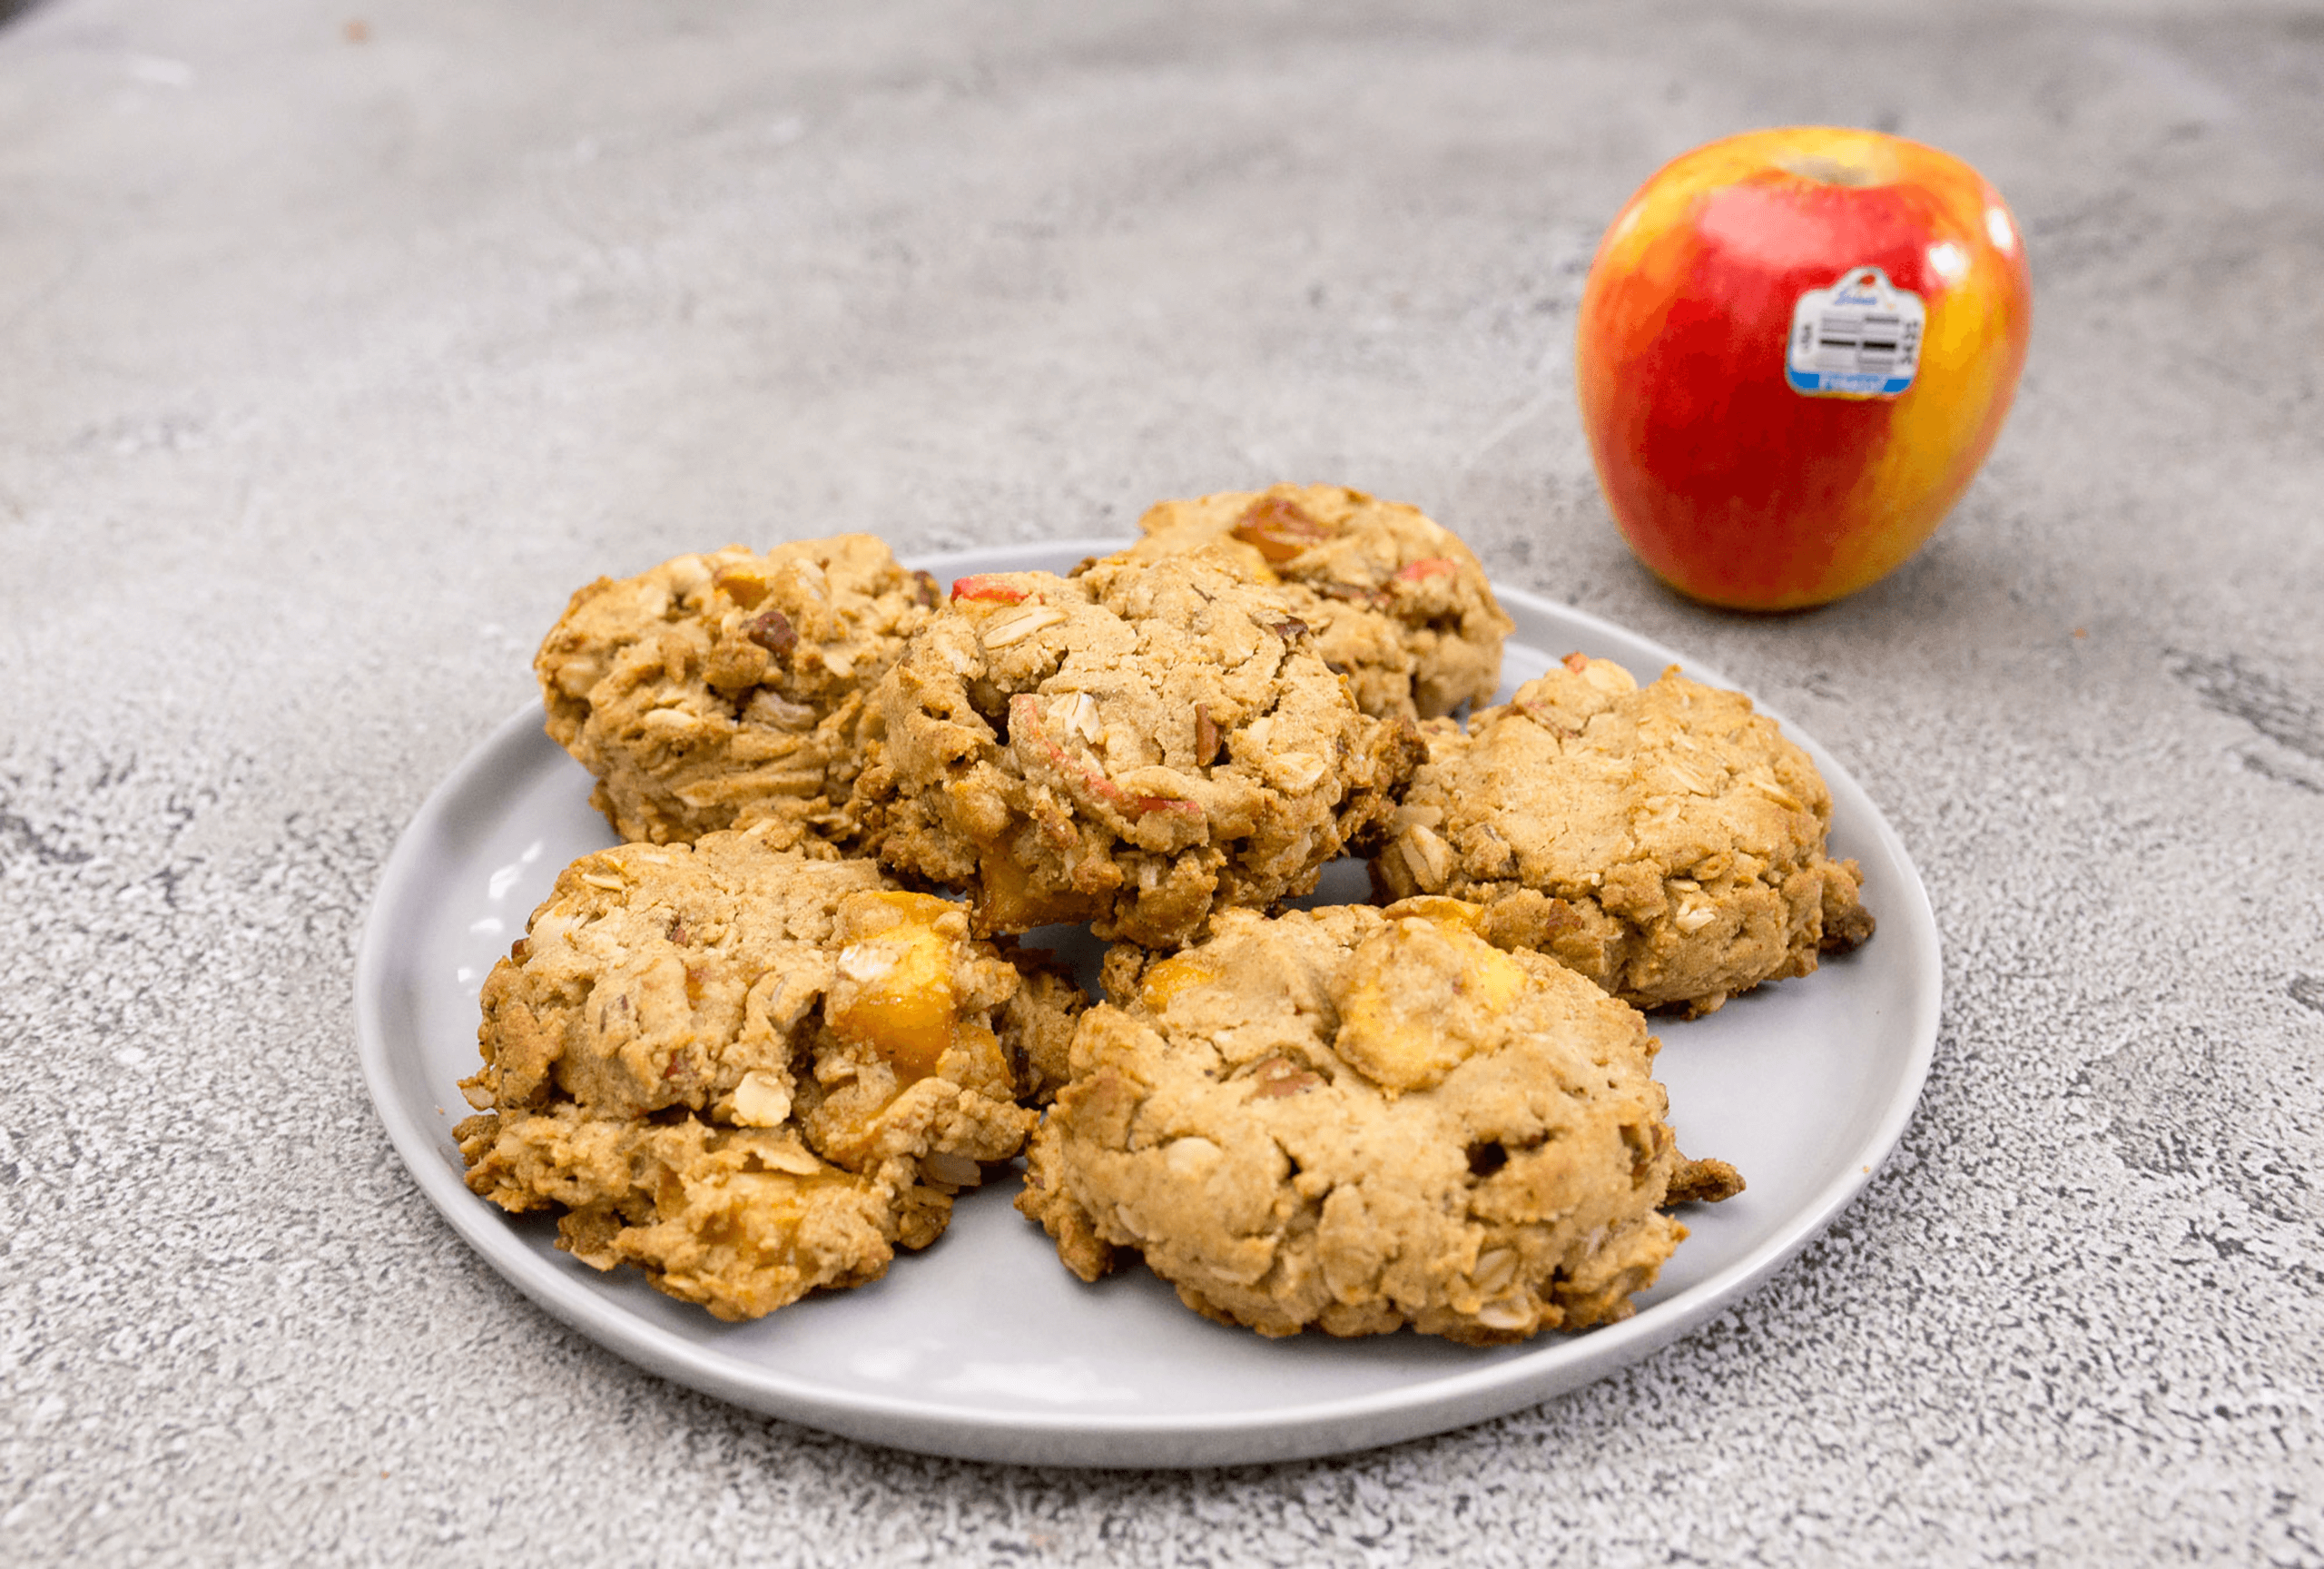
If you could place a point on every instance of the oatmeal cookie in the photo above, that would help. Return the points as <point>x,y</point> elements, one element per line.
<point>1360,1121</point>
<point>1396,601</point>
<point>1133,747</point>
<point>727,689</point>
<point>1665,842</point>
<point>749,1072</point>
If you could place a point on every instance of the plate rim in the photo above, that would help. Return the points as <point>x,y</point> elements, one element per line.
<point>1339,1426</point>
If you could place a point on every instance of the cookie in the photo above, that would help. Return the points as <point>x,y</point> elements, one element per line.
<point>1396,600</point>
<point>749,1072</point>
<point>1361,1121</point>
<point>1134,746</point>
<point>726,690</point>
<point>1666,841</point>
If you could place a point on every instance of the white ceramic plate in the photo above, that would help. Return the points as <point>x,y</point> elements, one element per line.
<point>983,1346</point>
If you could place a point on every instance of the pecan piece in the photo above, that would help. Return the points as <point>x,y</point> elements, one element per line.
<point>772,630</point>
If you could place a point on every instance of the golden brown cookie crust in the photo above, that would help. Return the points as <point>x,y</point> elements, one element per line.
<point>1666,841</point>
<point>1396,600</point>
<point>726,689</point>
<point>1134,746</point>
<point>750,1072</point>
<point>1359,1120</point>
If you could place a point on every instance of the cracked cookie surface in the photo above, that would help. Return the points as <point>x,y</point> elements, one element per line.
<point>1664,841</point>
<point>749,1072</point>
<point>726,690</point>
<point>1396,600</point>
<point>1360,1121</point>
<point>1134,746</point>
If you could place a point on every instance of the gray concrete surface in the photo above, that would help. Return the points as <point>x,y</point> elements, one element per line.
<point>329,363</point>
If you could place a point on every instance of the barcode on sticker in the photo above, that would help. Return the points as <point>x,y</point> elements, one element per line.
<point>1860,337</point>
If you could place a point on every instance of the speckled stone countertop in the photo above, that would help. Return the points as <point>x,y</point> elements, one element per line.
<point>339,346</point>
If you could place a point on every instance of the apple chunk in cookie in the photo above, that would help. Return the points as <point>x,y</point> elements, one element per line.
<point>1361,1121</point>
<point>749,1072</point>
<point>1135,746</point>
<point>1666,841</point>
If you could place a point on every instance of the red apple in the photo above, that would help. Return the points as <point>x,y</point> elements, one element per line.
<point>1794,348</point>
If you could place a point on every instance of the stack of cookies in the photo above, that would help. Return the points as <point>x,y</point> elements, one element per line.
<point>766,1041</point>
